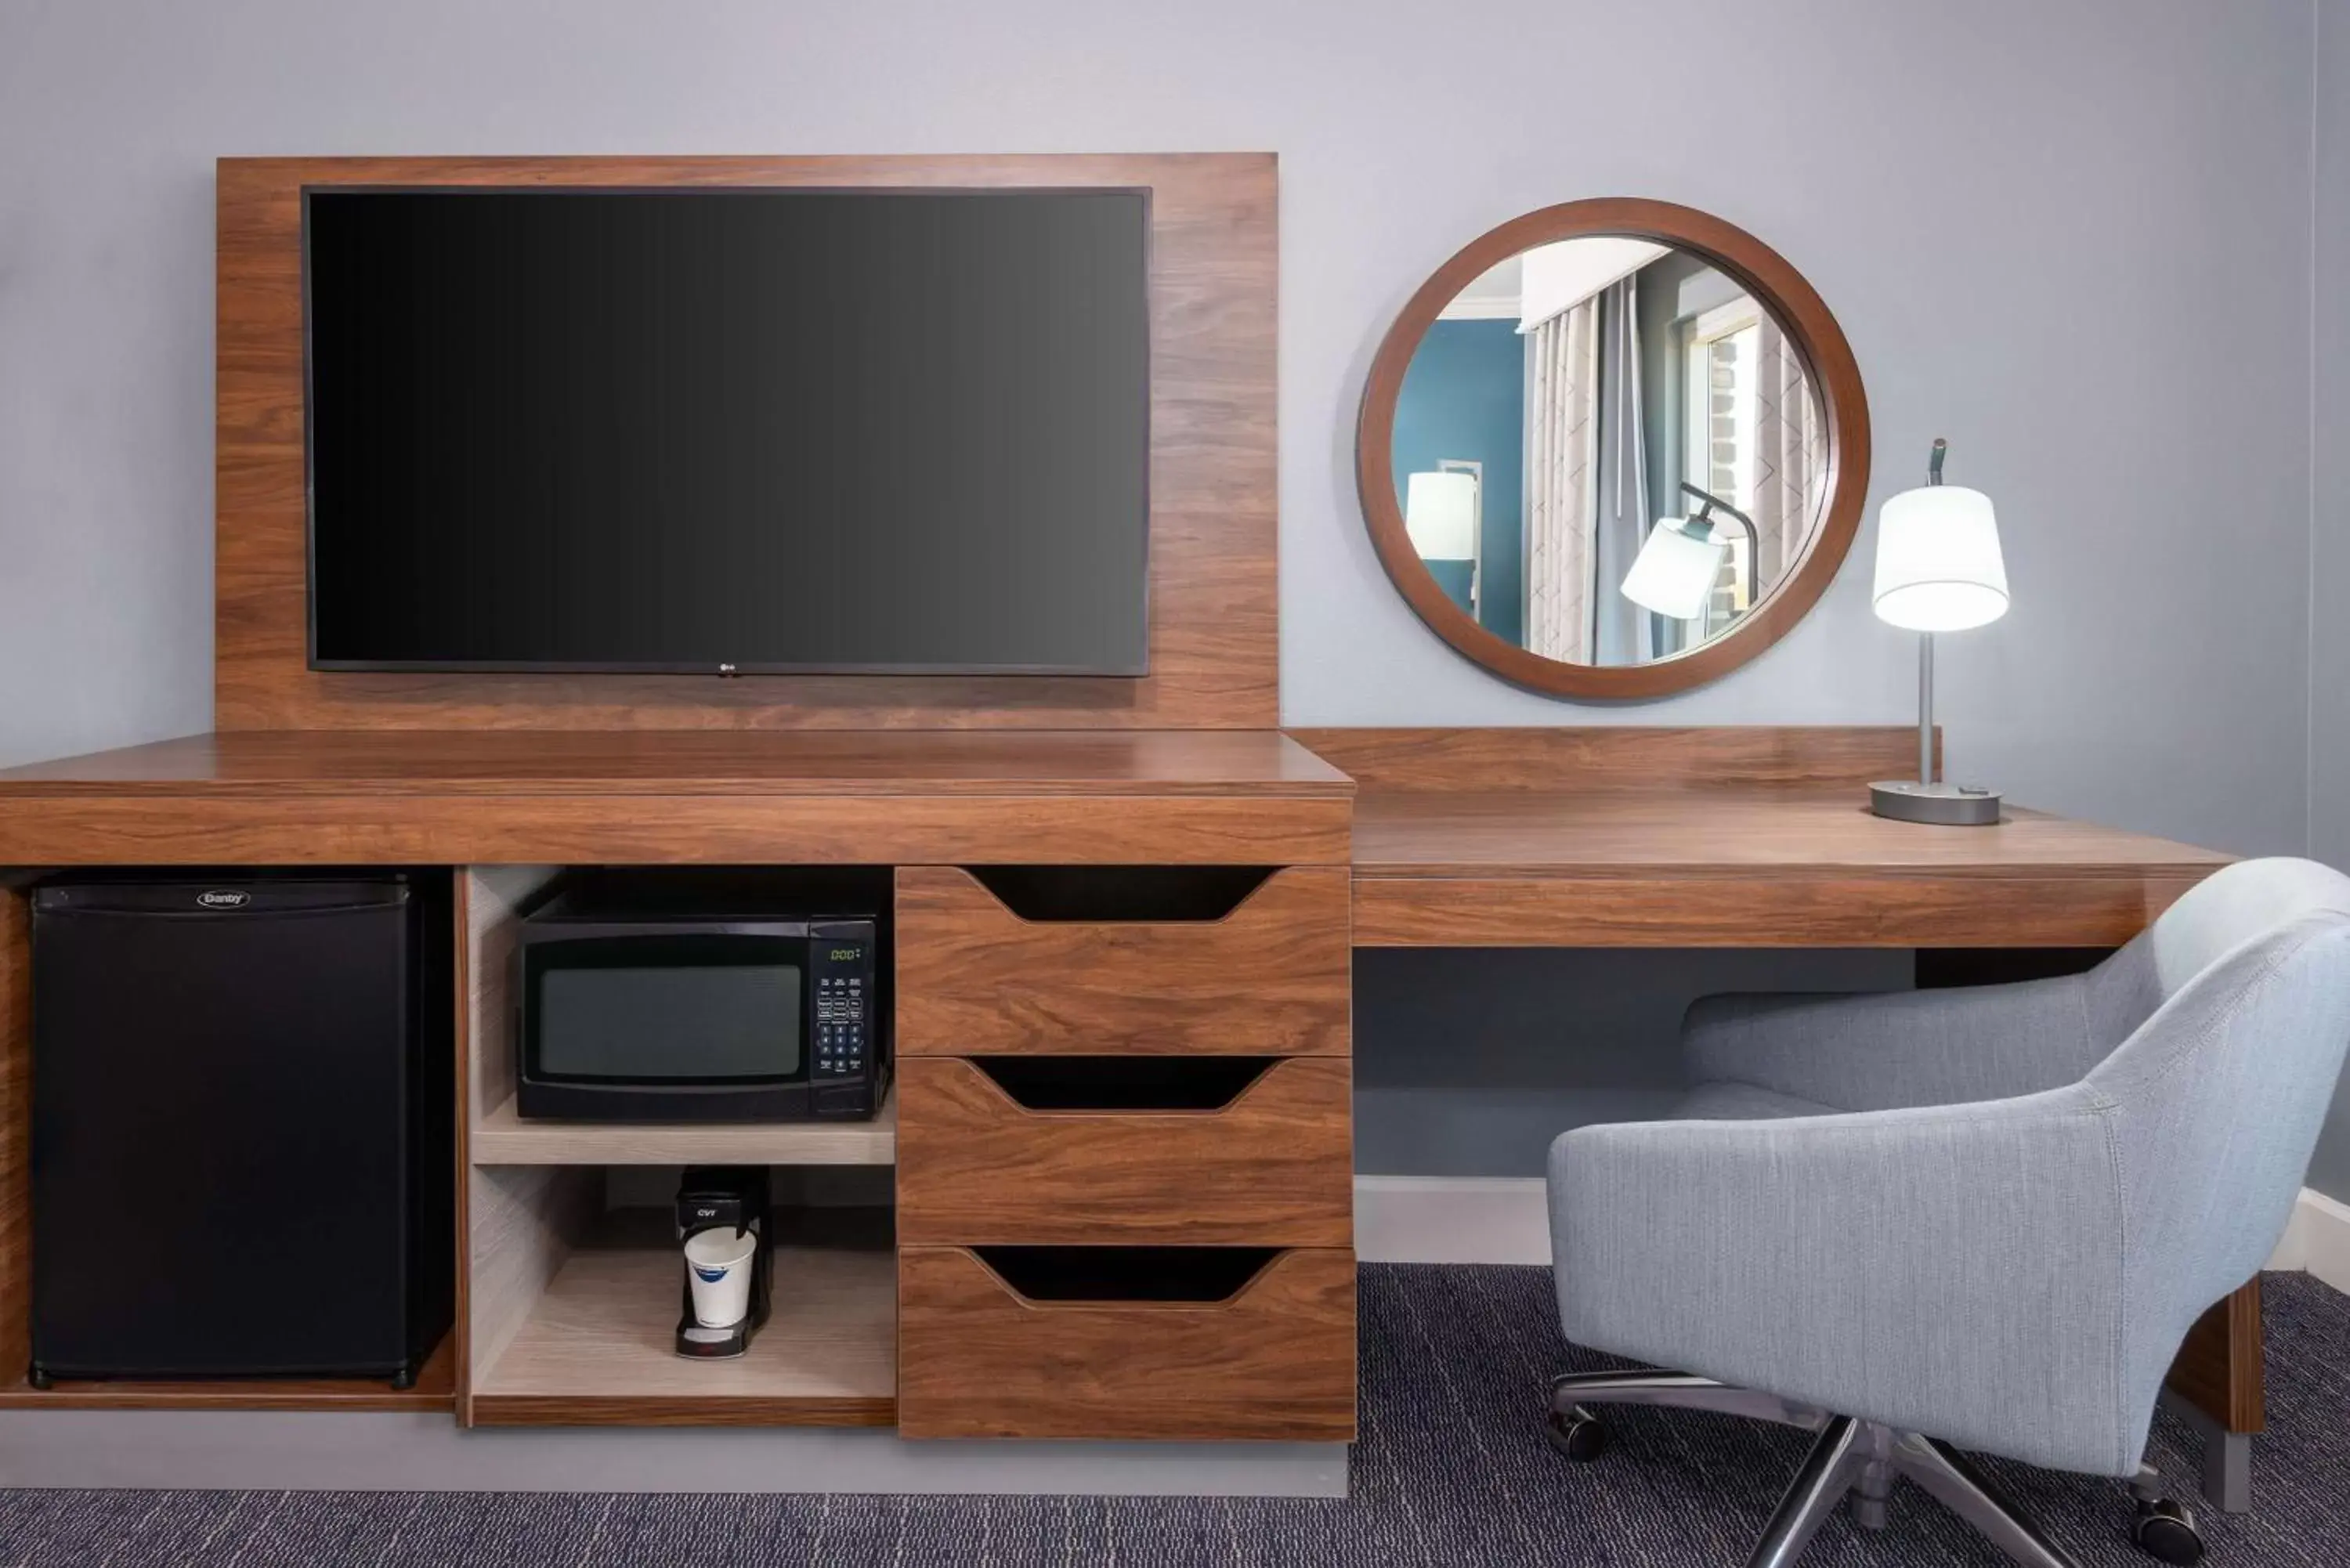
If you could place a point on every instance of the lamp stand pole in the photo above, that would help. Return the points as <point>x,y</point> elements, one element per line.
<point>1926,709</point>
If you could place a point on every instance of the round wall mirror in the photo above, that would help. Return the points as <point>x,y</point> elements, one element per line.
<point>1613,448</point>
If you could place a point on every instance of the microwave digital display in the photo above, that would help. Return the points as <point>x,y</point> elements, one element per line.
<point>718,1023</point>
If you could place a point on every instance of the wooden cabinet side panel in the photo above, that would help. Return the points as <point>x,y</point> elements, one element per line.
<point>1273,978</point>
<point>516,1224</point>
<point>494,896</point>
<point>1275,1362</point>
<point>1276,1168</point>
<point>2219,1368</point>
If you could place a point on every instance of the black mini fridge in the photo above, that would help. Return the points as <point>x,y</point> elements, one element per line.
<point>243,1114</point>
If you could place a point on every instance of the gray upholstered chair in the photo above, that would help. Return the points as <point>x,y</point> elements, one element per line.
<point>1983,1219</point>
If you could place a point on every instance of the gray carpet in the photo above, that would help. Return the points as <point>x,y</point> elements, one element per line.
<point>1452,1470</point>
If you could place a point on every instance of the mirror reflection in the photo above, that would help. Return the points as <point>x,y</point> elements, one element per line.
<point>1607,451</point>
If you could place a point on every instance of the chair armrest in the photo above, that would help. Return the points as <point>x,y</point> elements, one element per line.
<point>1954,1269</point>
<point>1892,1049</point>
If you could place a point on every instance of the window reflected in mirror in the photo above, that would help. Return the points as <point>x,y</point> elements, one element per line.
<point>1607,451</point>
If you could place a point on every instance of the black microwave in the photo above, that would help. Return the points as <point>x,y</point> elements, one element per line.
<point>635,1006</point>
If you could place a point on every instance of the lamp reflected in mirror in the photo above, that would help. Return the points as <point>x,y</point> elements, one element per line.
<point>1678,569</point>
<point>1443,512</point>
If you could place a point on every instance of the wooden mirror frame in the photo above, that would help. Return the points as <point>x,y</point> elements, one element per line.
<point>1781,289</point>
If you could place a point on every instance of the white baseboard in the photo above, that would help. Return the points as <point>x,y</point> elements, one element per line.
<point>1506,1219</point>
<point>2316,1240</point>
<point>1451,1219</point>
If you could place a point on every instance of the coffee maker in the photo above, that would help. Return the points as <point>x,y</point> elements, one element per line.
<point>734,1198</point>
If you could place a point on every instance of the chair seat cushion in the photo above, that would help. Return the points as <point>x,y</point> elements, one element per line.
<point>1726,1100</point>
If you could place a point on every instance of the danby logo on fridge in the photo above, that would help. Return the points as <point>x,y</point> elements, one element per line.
<point>224,898</point>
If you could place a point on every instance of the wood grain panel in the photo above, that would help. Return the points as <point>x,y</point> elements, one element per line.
<point>1730,831</point>
<point>2218,1366</point>
<point>1272,978</point>
<point>287,764</point>
<point>1276,1361</point>
<point>1274,1167</point>
<point>1752,867</point>
<point>15,1133</point>
<point>1617,756</point>
<point>521,1224</point>
<point>599,1345</point>
<point>486,904</point>
<point>262,829</point>
<point>1783,910</point>
<point>491,897</point>
<point>1214,642</point>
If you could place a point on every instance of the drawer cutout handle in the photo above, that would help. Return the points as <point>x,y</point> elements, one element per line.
<point>1115,894</point>
<point>1194,1276</point>
<point>1124,1083</point>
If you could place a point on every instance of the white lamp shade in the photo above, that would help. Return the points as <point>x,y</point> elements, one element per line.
<point>1439,515</point>
<point>1675,573</point>
<point>1938,561</point>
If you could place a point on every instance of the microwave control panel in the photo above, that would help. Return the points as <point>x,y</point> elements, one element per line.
<point>841,964</point>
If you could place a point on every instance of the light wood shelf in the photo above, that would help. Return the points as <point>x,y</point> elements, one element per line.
<point>502,1137</point>
<point>599,1346</point>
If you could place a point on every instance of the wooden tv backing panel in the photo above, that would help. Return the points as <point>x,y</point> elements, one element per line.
<point>1214,647</point>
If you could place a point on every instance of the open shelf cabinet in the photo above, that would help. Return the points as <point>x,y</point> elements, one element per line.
<point>597,1345</point>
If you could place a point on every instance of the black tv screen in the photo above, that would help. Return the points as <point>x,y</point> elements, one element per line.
<point>728,430</point>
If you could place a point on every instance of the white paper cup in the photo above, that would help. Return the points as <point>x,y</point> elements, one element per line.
<point>718,1267</point>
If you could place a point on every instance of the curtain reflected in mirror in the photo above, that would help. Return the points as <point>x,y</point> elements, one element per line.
<point>1607,451</point>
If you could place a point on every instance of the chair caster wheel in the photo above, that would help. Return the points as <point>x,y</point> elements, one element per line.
<point>2166,1531</point>
<point>1578,1434</point>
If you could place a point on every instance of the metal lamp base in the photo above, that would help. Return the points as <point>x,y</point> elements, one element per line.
<point>1938,805</point>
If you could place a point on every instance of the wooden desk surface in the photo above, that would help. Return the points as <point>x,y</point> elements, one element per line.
<point>699,761</point>
<point>1732,837</point>
<point>291,797</point>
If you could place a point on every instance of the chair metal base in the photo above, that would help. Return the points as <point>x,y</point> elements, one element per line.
<point>1849,1456</point>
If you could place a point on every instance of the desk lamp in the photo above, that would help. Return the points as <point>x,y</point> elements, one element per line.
<point>1938,569</point>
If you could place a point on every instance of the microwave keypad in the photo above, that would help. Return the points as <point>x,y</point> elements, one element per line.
<point>839,1025</point>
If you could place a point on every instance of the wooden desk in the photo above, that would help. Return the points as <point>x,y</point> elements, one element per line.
<point>563,1319</point>
<point>1724,837</point>
<point>1745,839</point>
<point>1743,865</point>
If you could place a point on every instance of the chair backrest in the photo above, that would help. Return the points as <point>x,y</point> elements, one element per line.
<point>2219,1084</point>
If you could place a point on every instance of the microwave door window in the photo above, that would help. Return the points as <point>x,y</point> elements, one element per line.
<point>712,1022</point>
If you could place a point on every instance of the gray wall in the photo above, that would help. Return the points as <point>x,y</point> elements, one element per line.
<point>2329,559</point>
<point>2044,231</point>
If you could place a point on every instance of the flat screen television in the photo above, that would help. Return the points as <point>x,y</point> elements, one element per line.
<point>730,431</point>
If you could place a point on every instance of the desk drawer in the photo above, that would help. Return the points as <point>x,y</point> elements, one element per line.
<point>1274,1166</point>
<point>1273,1357</point>
<point>1270,978</point>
